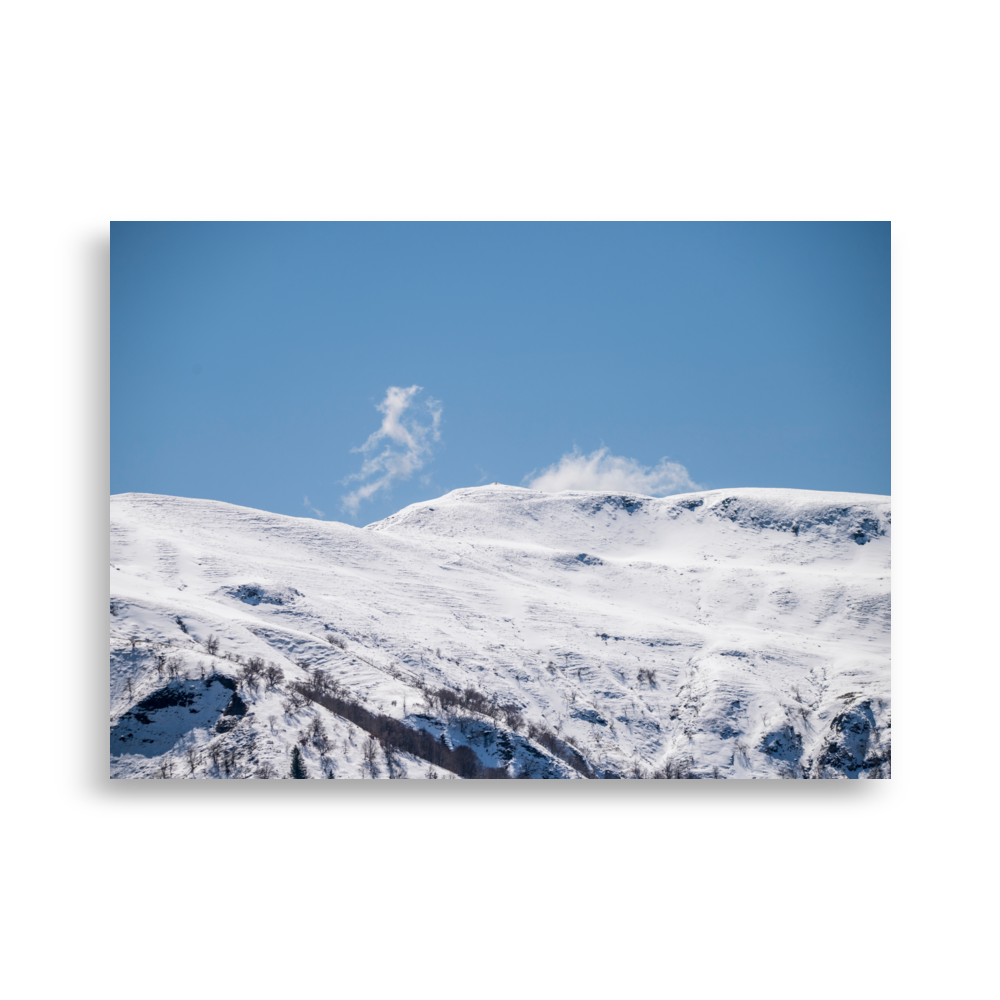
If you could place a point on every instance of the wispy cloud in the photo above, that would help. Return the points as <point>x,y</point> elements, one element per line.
<point>601,471</point>
<point>398,449</point>
<point>309,506</point>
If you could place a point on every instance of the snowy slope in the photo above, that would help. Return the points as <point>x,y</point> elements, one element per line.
<point>733,633</point>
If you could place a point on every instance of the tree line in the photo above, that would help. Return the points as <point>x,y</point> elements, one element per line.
<point>395,737</point>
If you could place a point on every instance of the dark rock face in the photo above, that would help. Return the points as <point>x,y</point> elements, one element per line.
<point>236,706</point>
<point>252,593</point>
<point>159,721</point>
<point>850,523</point>
<point>615,502</point>
<point>589,715</point>
<point>855,744</point>
<point>783,744</point>
<point>168,697</point>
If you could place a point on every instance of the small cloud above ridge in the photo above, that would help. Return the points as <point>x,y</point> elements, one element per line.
<point>601,471</point>
<point>406,444</point>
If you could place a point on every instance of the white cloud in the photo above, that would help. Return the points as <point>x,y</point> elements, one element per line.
<point>405,444</point>
<point>306,503</point>
<point>612,473</point>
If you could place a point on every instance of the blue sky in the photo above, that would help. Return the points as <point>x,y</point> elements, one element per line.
<point>249,360</point>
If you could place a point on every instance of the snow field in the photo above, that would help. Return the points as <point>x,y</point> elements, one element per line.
<point>731,634</point>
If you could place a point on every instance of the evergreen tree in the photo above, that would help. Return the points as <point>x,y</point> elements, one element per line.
<point>298,767</point>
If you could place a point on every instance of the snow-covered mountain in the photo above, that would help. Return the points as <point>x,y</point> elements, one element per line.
<point>504,632</point>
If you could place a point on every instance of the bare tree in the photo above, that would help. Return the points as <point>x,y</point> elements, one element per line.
<point>248,680</point>
<point>251,673</point>
<point>370,750</point>
<point>392,762</point>
<point>273,675</point>
<point>512,716</point>
<point>318,734</point>
<point>192,756</point>
<point>677,768</point>
<point>212,645</point>
<point>128,684</point>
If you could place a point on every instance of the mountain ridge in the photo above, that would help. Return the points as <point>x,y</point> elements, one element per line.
<point>724,633</point>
